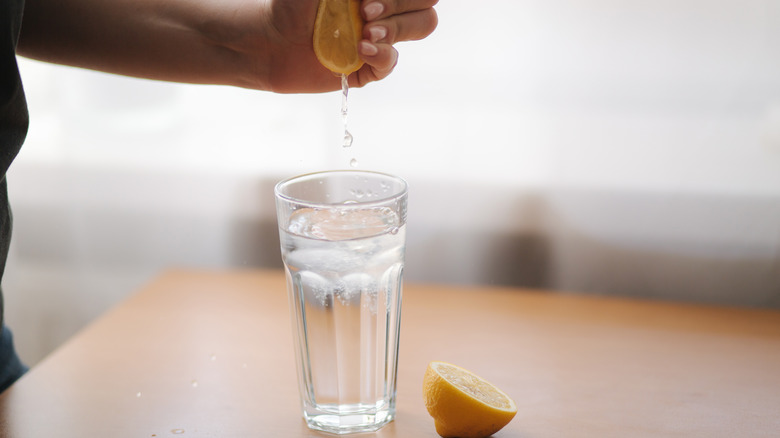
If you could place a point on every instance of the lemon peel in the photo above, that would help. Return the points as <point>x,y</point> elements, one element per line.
<point>463,404</point>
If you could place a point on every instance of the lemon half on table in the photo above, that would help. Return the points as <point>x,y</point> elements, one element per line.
<point>463,404</point>
<point>337,30</point>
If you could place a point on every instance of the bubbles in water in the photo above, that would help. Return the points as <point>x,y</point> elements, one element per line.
<point>318,289</point>
<point>356,289</point>
<point>342,223</point>
<point>346,297</point>
<point>353,162</point>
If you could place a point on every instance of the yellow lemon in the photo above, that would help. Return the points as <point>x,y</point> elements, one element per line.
<point>463,404</point>
<point>337,30</point>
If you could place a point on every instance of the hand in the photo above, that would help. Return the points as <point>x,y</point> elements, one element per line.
<point>294,67</point>
<point>260,44</point>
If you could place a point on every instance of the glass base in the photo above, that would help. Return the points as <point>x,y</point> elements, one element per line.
<point>349,422</point>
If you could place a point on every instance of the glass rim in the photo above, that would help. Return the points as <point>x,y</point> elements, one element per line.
<point>363,203</point>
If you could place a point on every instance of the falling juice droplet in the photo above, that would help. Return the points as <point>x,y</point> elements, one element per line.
<point>353,162</point>
<point>344,93</point>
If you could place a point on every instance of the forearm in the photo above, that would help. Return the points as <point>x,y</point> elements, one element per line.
<point>172,40</point>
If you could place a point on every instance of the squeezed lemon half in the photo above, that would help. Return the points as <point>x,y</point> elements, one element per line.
<point>337,30</point>
<point>463,404</point>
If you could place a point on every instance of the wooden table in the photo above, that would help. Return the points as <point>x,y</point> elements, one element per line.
<point>209,354</point>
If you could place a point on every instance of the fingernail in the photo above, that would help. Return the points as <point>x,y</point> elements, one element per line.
<point>368,48</point>
<point>373,10</point>
<point>377,33</point>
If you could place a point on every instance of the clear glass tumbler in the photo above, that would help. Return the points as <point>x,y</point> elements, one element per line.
<point>343,235</point>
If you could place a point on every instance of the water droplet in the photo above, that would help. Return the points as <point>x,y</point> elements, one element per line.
<point>177,431</point>
<point>353,162</point>
<point>243,366</point>
<point>344,93</point>
<point>347,138</point>
<point>213,357</point>
<point>336,33</point>
<point>194,383</point>
<point>138,394</point>
<point>394,230</point>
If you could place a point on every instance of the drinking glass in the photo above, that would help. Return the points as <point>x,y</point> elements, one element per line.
<point>343,235</point>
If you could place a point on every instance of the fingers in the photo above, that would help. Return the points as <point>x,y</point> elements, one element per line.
<point>405,27</point>
<point>379,9</point>
<point>388,22</point>
<point>380,60</point>
<point>391,21</point>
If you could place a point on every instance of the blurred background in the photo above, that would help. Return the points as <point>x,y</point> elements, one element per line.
<point>587,146</point>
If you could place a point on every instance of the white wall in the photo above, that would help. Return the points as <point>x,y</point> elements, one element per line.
<point>594,146</point>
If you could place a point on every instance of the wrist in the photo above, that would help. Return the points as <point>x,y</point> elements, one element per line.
<point>238,40</point>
